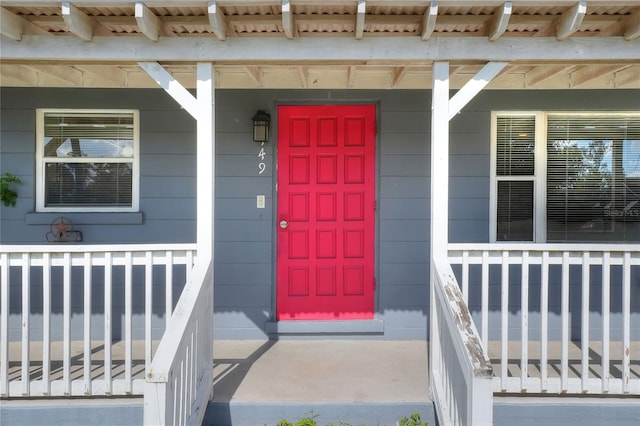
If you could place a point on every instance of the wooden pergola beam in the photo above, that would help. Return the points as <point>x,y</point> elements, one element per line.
<point>571,20</point>
<point>217,20</point>
<point>632,27</point>
<point>11,25</point>
<point>78,22</point>
<point>429,20</point>
<point>148,23</point>
<point>362,11</point>
<point>287,19</point>
<point>500,20</point>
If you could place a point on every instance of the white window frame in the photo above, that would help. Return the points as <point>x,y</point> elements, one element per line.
<point>540,169</point>
<point>41,163</point>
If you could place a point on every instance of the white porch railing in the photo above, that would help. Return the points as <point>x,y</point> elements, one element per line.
<point>460,370</point>
<point>48,299</point>
<point>556,318</point>
<point>180,380</point>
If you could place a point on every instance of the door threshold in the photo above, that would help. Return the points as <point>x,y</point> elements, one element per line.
<point>325,327</point>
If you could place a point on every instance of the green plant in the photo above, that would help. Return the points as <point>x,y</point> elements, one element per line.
<point>284,422</point>
<point>413,420</point>
<point>7,195</point>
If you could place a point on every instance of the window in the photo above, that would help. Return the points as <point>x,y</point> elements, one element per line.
<point>560,177</point>
<point>87,160</point>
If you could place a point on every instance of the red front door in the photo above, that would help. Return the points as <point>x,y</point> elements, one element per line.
<point>326,207</point>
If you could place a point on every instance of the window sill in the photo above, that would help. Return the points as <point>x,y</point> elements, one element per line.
<point>86,218</point>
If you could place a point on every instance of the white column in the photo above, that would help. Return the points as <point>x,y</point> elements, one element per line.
<point>205,158</point>
<point>440,159</point>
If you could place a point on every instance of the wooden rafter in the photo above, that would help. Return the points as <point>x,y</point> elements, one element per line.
<point>303,72</point>
<point>500,20</point>
<point>150,25</point>
<point>217,20</point>
<point>398,74</point>
<point>540,74</point>
<point>592,72</point>
<point>287,19</point>
<point>68,75</point>
<point>11,25</point>
<point>429,20</point>
<point>571,20</point>
<point>256,74</point>
<point>632,27</point>
<point>351,76</point>
<point>362,11</point>
<point>77,21</point>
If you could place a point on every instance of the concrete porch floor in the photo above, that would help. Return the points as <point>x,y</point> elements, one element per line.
<point>340,381</point>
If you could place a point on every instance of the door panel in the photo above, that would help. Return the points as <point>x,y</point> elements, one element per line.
<point>326,210</point>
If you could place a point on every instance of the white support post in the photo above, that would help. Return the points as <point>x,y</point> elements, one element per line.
<point>171,86</point>
<point>205,158</point>
<point>439,195</point>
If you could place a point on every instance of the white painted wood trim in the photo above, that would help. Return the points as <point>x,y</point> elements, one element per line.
<point>474,86</point>
<point>78,22</point>
<point>205,159</point>
<point>429,20</point>
<point>148,22</point>
<point>171,86</point>
<point>306,49</point>
<point>571,20</point>
<point>4,325</point>
<point>216,20</point>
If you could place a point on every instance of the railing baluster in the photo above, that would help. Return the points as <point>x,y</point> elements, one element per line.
<point>4,325</point>
<point>46,322</point>
<point>148,309</point>
<point>485,299</point>
<point>128,311</point>
<point>26,314</point>
<point>626,320</point>
<point>168,287</point>
<point>564,357</point>
<point>66,323</point>
<point>544,321</point>
<point>465,276</point>
<point>524,320</point>
<point>586,279</point>
<point>504,313</point>
<point>87,322</point>
<point>108,291</point>
<point>606,306</point>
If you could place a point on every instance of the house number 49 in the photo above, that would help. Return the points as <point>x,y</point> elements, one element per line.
<point>262,166</point>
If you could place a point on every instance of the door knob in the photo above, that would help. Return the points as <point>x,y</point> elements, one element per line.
<point>284,224</point>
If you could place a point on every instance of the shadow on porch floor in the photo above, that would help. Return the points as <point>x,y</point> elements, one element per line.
<point>340,381</point>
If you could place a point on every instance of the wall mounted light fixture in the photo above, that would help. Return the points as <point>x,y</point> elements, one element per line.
<point>261,126</point>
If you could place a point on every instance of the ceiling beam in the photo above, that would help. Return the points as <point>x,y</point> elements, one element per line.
<point>318,49</point>
<point>499,21</point>
<point>11,25</point>
<point>78,22</point>
<point>540,74</point>
<point>287,19</point>
<point>592,72</point>
<point>217,20</point>
<point>429,20</point>
<point>303,72</point>
<point>66,74</point>
<point>351,75</point>
<point>362,11</point>
<point>632,28</point>
<point>629,76</point>
<point>571,20</point>
<point>398,74</point>
<point>150,25</point>
<point>256,74</point>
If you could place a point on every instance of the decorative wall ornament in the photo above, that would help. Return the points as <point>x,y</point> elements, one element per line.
<point>62,231</point>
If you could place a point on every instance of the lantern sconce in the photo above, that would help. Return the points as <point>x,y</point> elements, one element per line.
<point>261,127</point>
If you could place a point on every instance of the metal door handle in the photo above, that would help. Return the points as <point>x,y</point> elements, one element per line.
<point>284,224</point>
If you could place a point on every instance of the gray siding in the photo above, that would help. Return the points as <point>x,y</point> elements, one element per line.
<point>245,245</point>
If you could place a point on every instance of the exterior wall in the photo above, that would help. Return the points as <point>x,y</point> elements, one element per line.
<point>245,245</point>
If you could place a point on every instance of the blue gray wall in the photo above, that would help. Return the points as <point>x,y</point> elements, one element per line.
<point>245,246</point>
